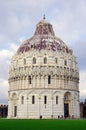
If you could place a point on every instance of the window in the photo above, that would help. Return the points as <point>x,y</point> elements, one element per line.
<point>15,111</point>
<point>33,99</point>
<point>34,60</point>
<point>56,60</point>
<point>45,99</point>
<point>65,62</point>
<point>24,61</point>
<point>65,97</point>
<point>49,79</point>
<point>29,79</point>
<point>45,60</point>
<point>22,100</point>
<point>56,99</point>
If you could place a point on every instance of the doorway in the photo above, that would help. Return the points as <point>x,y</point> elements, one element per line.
<point>66,110</point>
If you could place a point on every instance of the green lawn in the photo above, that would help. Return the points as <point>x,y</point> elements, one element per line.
<point>22,124</point>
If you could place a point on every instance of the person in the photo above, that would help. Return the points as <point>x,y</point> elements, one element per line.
<point>58,116</point>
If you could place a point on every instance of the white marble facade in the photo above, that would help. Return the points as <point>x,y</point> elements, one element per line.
<point>43,78</point>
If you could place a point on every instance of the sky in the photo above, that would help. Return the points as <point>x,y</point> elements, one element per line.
<point>18,19</point>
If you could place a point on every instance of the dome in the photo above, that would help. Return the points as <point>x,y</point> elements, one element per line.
<point>44,38</point>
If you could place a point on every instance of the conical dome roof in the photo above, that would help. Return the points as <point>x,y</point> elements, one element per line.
<point>44,28</point>
<point>44,38</point>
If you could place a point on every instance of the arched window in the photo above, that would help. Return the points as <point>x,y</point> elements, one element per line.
<point>56,60</point>
<point>15,111</point>
<point>45,99</point>
<point>65,62</point>
<point>29,79</point>
<point>22,100</point>
<point>33,99</point>
<point>45,60</point>
<point>34,60</point>
<point>49,79</point>
<point>56,99</point>
<point>24,61</point>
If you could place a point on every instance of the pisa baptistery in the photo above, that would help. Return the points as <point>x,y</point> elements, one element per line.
<point>43,77</point>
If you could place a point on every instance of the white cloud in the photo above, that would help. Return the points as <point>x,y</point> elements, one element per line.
<point>19,15</point>
<point>5,59</point>
<point>19,18</point>
<point>5,54</point>
<point>80,53</point>
<point>13,47</point>
<point>69,20</point>
<point>3,91</point>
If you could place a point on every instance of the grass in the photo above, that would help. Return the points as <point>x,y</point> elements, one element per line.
<point>26,124</point>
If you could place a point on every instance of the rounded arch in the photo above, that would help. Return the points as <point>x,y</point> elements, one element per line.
<point>67,96</point>
<point>14,96</point>
<point>33,92</point>
<point>44,92</point>
<point>56,93</point>
<point>22,93</point>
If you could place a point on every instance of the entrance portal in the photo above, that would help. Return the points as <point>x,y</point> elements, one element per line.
<point>66,110</point>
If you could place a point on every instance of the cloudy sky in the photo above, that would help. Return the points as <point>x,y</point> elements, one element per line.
<point>18,19</point>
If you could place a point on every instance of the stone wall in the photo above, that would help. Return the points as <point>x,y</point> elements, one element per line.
<point>26,109</point>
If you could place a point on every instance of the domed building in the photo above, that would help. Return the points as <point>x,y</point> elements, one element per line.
<point>43,78</point>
